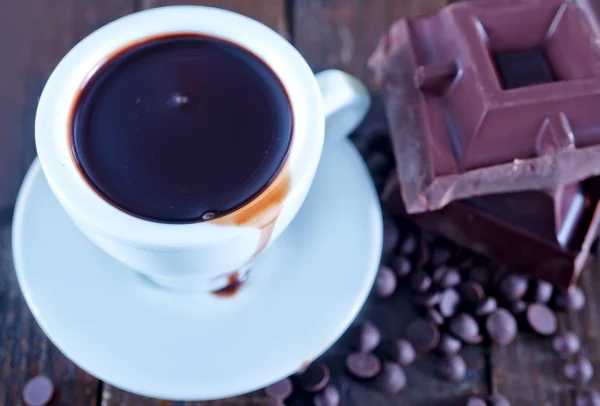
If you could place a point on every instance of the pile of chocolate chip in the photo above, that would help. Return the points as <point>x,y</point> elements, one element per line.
<point>461,302</point>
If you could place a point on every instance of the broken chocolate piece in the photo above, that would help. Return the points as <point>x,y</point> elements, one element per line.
<point>485,224</point>
<point>489,110</point>
<point>489,97</point>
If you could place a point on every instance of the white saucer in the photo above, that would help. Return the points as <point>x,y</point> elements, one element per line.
<point>299,298</point>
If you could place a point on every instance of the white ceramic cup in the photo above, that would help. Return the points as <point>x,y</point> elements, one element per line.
<point>202,255</point>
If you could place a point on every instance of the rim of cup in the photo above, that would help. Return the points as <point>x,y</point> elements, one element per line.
<point>53,117</point>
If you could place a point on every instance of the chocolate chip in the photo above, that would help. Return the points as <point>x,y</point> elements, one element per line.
<point>402,266</point>
<point>385,282</point>
<point>402,352</point>
<point>423,335</point>
<point>572,300</point>
<point>314,378</point>
<point>566,344</point>
<point>440,256</point>
<point>330,396</point>
<point>579,370</point>
<point>472,293</point>
<point>390,235</point>
<point>392,378</point>
<point>368,337</point>
<point>38,391</point>
<point>513,287</point>
<point>438,274</point>
<point>452,368</point>
<point>541,319</point>
<point>476,401</point>
<point>449,303</point>
<point>588,397</point>
<point>449,345</point>
<point>480,275</point>
<point>487,307</point>
<point>543,292</point>
<point>501,326</point>
<point>420,282</point>
<point>451,278</point>
<point>363,365</point>
<point>517,308</point>
<point>435,316</point>
<point>466,328</point>
<point>280,390</point>
<point>498,399</point>
<point>428,300</point>
<point>446,276</point>
<point>409,245</point>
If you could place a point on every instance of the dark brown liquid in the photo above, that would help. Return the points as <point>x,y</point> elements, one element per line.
<point>182,128</point>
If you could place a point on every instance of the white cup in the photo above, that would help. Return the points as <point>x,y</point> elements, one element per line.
<point>201,255</point>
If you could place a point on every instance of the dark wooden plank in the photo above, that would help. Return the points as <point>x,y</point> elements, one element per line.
<point>530,373</point>
<point>272,14</point>
<point>343,33</point>
<point>34,35</point>
<point>113,396</point>
<point>268,12</point>
<point>25,350</point>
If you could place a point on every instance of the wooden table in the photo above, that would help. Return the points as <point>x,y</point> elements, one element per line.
<point>35,34</point>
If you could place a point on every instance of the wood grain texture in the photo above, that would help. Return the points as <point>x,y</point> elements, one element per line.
<point>24,349</point>
<point>34,35</point>
<point>343,33</point>
<point>530,373</point>
<point>272,14</point>
<point>113,396</point>
<point>424,388</point>
<point>268,12</point>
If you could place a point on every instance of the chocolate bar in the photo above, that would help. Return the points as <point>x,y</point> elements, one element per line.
<point>544,235</point>
<point>492,96</point>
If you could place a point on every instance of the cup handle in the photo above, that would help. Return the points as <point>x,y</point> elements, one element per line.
<point>346,101</point>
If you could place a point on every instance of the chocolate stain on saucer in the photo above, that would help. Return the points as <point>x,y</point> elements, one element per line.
<point>261,213</point>
<point>234,283</point>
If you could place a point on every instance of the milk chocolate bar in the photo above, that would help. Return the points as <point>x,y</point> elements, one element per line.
<point>492,96</point>
<point>544,235</point>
